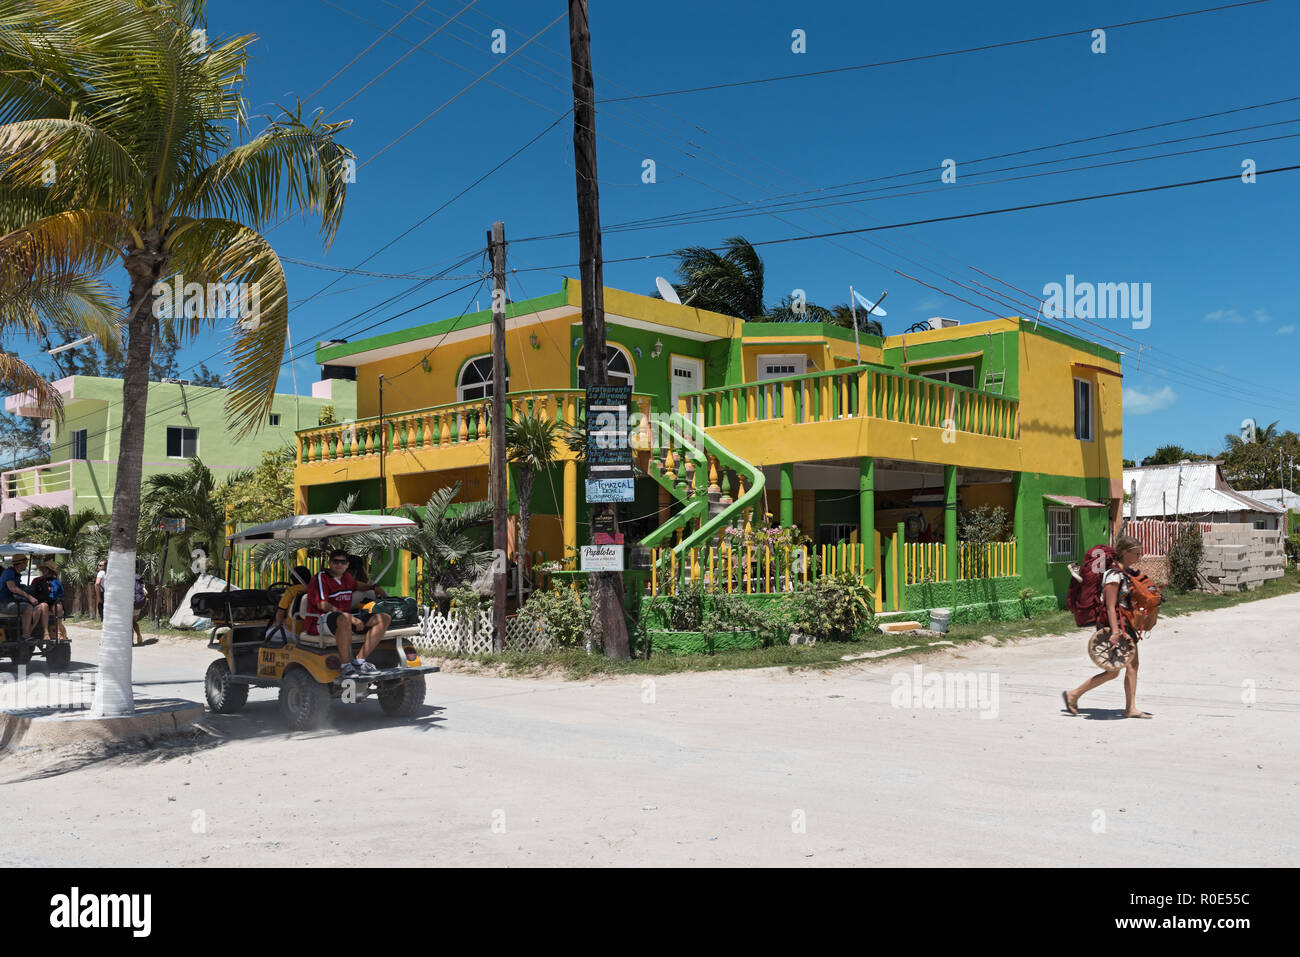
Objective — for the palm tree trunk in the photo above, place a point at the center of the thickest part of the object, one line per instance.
(113, 696)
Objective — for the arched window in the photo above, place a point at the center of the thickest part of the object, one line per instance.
(619, 365)
(476, 379)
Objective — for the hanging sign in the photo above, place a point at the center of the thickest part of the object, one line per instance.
(601, 558)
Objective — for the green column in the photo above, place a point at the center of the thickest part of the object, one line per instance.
(898, 571)
(866, 500)
(950, 525)
(787, 494)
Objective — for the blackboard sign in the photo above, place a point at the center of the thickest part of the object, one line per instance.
(607, 430)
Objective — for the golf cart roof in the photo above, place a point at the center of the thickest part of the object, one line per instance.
(297, 527)
(31, 548)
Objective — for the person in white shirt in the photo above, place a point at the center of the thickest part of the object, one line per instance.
(99, 589)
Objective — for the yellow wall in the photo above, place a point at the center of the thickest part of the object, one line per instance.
(407, 386)
(1047, 442)
(822, 354)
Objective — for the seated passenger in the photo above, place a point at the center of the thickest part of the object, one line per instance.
(329, 613)
(285, 625)
(31, 611)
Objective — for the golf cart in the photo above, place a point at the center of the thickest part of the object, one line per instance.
(304, 667)
(57, 651)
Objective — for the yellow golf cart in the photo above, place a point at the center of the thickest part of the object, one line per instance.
(304, 667)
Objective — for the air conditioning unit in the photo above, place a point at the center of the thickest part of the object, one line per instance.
(939, 322)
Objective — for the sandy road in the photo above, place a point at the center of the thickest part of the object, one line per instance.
(719, 768)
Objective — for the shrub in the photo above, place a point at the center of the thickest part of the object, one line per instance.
(465, 605)
(835, 607)
(1025, 595)
(684, 610)
(1293, 548)
(1185, 557)
(562, 612)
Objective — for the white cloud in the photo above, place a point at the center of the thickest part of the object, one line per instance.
(1225, 315)
(1262, 316)
(1137, 402)
(1287, 329)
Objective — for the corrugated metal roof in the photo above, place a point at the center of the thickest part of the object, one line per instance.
(1193, 489)
(1277, 497)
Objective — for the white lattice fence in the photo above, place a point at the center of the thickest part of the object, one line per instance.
(442, 633)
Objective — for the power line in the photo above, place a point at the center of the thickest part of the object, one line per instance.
(929, 56)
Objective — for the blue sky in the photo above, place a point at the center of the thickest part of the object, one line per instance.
(1220, 259)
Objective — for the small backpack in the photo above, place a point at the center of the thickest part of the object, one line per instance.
(139, 590)
(1145, 602)
(1084, 595)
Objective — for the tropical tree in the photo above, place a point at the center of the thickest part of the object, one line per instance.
(730, 283)
(263, 493)
(530, 446)
(191, 494)
(443, 538)
(135, 109)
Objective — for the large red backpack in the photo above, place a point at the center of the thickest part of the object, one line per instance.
(1084, 595)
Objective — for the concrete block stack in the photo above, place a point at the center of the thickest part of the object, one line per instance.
(1241, 558)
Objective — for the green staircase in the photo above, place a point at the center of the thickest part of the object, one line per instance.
(682, 458)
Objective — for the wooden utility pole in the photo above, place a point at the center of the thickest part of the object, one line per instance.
(606, 587)
(497, 456)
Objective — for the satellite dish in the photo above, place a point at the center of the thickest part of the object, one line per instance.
(667, 291)
(873, 308)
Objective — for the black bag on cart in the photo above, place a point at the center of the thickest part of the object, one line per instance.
(245, 604)
(403, 611)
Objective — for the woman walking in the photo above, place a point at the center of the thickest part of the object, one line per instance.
(1116, 592)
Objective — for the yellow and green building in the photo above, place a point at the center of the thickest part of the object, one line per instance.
(870, 446)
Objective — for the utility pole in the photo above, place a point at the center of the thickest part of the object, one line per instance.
(606, 587)
(497, 464)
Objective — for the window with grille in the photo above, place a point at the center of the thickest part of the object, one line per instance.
(476, 379)
(79, 444)
(1060, 534)
(618, 368)
(182, 443)
(275, 418)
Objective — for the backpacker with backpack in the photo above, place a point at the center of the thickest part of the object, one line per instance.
(1084, 597)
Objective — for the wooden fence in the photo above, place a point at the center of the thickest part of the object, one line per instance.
(1156, 535)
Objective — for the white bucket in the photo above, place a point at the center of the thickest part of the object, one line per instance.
(939, 620)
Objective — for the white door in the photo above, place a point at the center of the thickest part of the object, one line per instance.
(777, 367)
(688, 376)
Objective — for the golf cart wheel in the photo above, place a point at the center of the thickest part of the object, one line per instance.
(224, 696)
(304, 701)
(1106, 656)
(23, 654)
(58, 655)
(404, 698)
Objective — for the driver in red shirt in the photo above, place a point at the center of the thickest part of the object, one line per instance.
(329, 613)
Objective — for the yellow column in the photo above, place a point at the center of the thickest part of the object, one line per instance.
(570, 520)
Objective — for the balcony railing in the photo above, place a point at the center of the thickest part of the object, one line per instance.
(446, 426)
(857, 391)
(36, 480)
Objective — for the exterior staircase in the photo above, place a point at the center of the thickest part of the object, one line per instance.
(698, 473)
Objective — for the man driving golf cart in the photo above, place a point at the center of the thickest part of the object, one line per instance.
(330, 614)
(12, 590)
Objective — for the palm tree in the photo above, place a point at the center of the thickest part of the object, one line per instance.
(730, 283)
(787, 310)
(452, 556)
(530, 447)
(133, 108)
